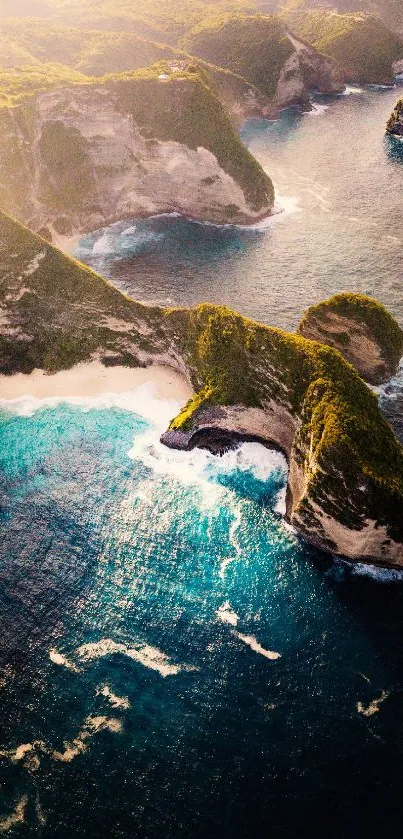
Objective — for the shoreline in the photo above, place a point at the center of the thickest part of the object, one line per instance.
(68, 244)
(94, 379)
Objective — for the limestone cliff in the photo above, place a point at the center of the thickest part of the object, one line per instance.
(345, 489)
(80, 156)
(360, 46)
(362, 330)
(262, 50)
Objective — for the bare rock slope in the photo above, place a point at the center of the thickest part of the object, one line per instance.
(81, 156)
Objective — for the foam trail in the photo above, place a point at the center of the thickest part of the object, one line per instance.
(351, 90)
(146, 655)
(251, 642)
(61, 660)
(227, 615)
(16, 817)
(378, 575)
(236, 524)
(27, 754)
(373, 707)
(115, 701)
(92, 725)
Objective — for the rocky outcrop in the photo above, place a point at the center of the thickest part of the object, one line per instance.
(306, 71)
(83, 156)
(345, 487)
(394, 125)
(360, 46)
(362, 330)
(282, 68)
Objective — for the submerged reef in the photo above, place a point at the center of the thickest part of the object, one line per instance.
(345, 486)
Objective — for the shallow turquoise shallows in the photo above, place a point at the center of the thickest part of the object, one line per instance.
(174, 662)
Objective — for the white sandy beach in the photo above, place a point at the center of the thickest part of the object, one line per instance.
(93, 379)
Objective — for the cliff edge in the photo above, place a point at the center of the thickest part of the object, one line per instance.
(345, 487)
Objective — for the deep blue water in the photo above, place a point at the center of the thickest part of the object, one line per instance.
(181, 563)
(174, 662)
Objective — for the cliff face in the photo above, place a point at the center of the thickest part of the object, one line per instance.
(263, 51)
(361, 47)
(306, 71)
(362, 330)
(79, 157)
(345, 490)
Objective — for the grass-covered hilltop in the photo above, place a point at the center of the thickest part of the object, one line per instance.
(361, 329)
(345, 491)
(361, 46)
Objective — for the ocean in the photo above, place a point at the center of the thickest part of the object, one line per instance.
(174, 661)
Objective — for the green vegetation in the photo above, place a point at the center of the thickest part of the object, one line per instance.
(367, 312)
(235, 361)
(155, 107)
(64, 317)
(362, 48)
(93, 53)
(255, 47)
(68, 178)
(21, 82)
(352, 462)
(395, 121)
(161, 20)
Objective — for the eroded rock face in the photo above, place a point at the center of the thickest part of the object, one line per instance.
(362, 330)
(83, 163)
(305, 71)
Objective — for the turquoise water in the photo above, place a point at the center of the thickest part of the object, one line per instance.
(174, 662)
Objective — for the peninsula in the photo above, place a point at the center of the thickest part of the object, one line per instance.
(345, 486)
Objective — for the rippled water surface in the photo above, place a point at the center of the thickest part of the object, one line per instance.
(174, 662)
(339, 180)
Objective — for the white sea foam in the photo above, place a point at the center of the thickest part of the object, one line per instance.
(233, 539)
(59, 658)
(146, 655)
(16, 817)
(393, 388)
(92, 725)
(141, 400)
(351, 90)
(379, 575)
(374, 706)
(251, 642)
(317, 110)
(113, 699)
(227, 615)
(27, 754)
(104, 245)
